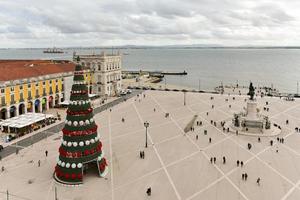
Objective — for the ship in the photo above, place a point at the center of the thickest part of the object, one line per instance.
(53, 50)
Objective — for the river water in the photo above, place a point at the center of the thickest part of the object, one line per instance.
(206, 68)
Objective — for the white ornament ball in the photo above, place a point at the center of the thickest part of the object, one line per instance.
(81, 144)
(68, 165)
(87, 142)
(73, 165)
(65, 143)
(79, 165)
(66, 122)
(75, 103)
(69, 144)
(91, 120)
(69, 123)
(75, 123)
(75, 144)
(96, 138)
(100, 158)
(63, 164)
(81, 123)
(92, 141)
(79, 103)
(59, 162)
(87, 122)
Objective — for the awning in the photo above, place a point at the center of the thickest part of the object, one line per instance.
(25, 120)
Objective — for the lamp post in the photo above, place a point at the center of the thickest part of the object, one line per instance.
(184, 97)
(146, 124)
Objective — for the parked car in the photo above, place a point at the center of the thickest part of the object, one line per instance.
(123, 92)
(129, 91)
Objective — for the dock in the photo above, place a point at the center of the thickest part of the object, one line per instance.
(155, 73)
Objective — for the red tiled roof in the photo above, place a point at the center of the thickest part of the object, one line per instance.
(20, 69)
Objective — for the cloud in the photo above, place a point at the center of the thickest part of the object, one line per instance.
(42, 23)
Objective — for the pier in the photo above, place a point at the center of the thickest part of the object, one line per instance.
(155, 73)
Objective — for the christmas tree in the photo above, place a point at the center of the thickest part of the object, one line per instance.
(81, 147)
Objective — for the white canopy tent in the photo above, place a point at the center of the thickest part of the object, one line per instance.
(25, 120)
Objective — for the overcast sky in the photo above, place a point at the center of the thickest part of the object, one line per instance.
(47, 23)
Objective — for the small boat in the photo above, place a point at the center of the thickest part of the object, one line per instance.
(53, 50)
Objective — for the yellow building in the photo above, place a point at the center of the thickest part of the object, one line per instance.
(35, 85)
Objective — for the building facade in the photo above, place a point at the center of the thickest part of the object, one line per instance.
(106, 71)
(34, 85)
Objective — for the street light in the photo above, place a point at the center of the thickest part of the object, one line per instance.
(146, 124)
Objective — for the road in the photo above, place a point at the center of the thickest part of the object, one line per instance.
(13, 148)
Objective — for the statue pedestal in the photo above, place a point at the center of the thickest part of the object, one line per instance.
(252, 123)
(252, 110)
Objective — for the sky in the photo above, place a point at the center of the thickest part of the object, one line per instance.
(69, 23)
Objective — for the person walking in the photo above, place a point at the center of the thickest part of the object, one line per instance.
(246, 176)
(149, 191)
(258, 181)
(209, 140)
(271, 142)
(242, 163)
(249, 146)
(141, 156)
(224, 160)
(243, 176)
(46, 153)
(39, 163)
(197, 137)
(211, 160)
(258, 139)
(215, 159)
(237, 163)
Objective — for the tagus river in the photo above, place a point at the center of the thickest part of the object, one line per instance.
(206, 68)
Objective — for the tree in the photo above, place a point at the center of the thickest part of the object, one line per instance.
(80, 146)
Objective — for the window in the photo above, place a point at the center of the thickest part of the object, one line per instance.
(50, 81)
(2, 90)
(29, 85)
(12, 98)
(21, 87)
(21, 97)
(44, 82)
(12, 89)
(2, 100)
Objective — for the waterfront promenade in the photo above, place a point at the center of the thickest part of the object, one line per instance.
(177, 164)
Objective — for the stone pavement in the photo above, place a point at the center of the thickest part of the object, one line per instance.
(176, 165)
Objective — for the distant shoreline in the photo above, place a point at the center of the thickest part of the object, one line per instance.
(167, 47)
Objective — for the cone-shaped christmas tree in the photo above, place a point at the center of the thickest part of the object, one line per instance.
(80, 146)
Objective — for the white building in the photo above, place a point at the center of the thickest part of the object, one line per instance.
(106, 72)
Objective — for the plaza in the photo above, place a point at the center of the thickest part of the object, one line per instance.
(176, 164)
